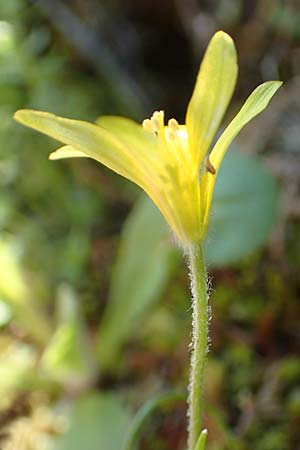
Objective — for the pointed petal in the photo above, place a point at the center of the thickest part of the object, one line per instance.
(67, 152)
(255, 104)
(214, 87)
(133, 136)
(123, 127)
(92, 140)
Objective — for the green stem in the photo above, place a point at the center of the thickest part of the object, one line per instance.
(199, 342)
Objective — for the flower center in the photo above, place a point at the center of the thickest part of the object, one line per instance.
(173, 137)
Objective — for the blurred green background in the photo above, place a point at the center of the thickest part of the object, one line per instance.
(94, 303)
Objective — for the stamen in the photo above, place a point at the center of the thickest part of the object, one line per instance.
(171, 134)
(173, 124)
(158, 121)
(176, 147)
(155, 125)
(158, 115)
(147, 125)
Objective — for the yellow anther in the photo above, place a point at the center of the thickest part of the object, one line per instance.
(173, 124)
(155, 124)
(158, 120)
(158, 115)
(148, 125)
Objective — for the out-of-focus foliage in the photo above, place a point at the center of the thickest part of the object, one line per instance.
(67, 357)
(17, 297)
(81, 294)
(103, 417)
(245, 204)
(139, 277)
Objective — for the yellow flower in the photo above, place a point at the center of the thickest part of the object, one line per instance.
(169, 163)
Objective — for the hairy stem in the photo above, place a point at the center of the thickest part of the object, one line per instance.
(199, 342)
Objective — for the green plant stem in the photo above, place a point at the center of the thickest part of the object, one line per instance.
(199, 342)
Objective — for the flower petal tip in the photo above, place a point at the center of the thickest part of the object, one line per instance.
(53, 156)
(66, 152)
(273, 85)
(18, 115)
(277, 83)
(224, 41)
(25, 116)
(223, 36)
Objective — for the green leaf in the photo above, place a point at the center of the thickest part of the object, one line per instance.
(98, 421)
(143, 414)
(201, 441)
(139, 276)
(244, 209)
